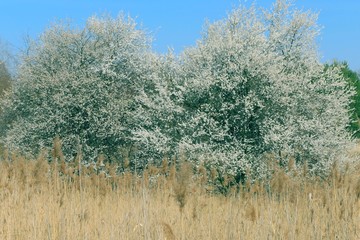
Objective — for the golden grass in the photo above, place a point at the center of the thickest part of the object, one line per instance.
(60, 200)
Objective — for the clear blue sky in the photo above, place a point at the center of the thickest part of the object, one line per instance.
(178, 24)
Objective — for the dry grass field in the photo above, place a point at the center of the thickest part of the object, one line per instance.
(57, 200)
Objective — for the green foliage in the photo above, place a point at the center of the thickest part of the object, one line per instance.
(5, 84)
(5, 78)
(353, 80)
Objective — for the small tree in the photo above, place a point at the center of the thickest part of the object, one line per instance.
(78, 84)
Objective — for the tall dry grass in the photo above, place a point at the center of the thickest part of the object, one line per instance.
(62, 200)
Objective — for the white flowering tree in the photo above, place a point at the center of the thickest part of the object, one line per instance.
(160, 113)
(254, 88)
(80, 85)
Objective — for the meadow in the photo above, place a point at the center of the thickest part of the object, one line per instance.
(68, 200)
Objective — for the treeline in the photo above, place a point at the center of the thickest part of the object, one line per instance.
(251, 93)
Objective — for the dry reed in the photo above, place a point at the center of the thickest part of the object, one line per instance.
(64, 200)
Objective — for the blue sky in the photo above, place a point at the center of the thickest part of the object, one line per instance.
(178, 24)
